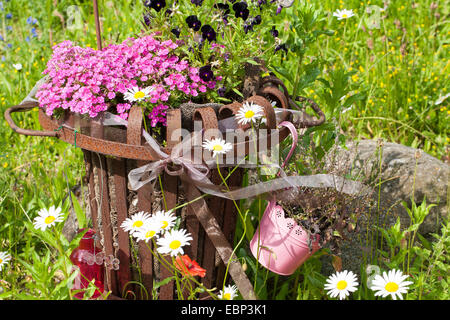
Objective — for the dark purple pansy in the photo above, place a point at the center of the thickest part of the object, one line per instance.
(193, 22)
(261, 2)
(176, 32)
(223, 6)
(205, 73)
(156, 4)
(241, 10)
(208, 32)
(147, 20)
(248, 26)
(221, 91)
(256, 20)
(197, 2)
(281, 47)
(274, 32)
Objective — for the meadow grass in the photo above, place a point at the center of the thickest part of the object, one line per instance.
(396, 61)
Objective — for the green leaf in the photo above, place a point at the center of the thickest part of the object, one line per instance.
(352, 99)
(284, 72)
(310, 75)
(283, 292)
(45, 236)
(64, 284)
(238, 92)
(76, 240)
(253, 62)
(325, 82)
(81, 217)
(163, 282)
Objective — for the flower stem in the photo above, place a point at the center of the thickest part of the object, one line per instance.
(64, 255)
(243, 223)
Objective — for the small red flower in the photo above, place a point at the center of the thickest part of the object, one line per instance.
(189, 267)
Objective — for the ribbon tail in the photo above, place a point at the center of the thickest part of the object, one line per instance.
(313, 181)
(135, 176)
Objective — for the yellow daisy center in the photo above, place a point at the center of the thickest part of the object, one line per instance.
(391, 287)
(138, 224)
(227, 296)
(218, 147)
(344, 15)
(175, 244)
(139, 95)
(341, 285)
(1, 261)
(164, 224)
(150, 234)
(249, 114)
(49, 219)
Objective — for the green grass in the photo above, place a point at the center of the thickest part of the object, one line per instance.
(401, 67)
(397, 72)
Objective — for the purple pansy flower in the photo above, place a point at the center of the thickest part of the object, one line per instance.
(193, 22)
(241, 10)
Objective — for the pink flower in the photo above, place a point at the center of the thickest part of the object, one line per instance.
(111, 95)
(88, 81)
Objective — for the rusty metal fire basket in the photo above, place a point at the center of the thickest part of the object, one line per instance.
(110, 154)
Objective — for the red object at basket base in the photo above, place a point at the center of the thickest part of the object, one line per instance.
(83, 257)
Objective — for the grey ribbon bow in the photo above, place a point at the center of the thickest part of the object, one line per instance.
(174, 164)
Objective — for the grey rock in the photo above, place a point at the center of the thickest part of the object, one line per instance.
(403, 172)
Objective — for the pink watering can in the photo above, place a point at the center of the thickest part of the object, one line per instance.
(279, 243)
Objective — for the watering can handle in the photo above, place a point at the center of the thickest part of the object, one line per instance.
(294, 134)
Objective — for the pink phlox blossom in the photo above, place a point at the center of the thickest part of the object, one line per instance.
(88, 81)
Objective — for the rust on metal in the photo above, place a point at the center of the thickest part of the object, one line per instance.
(209, 120)
(118, 168)
(269, 113)
(170, 183)
(145, 197)
(99, 162)
(274, 95)
(308, 121)
(228, 223)
(274, 82)
(212, 229)
(91, 184)
(21, 108)
(217, 206)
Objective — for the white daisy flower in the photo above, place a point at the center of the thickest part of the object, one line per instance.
(47, 218)
(249, 112)
(165, 220)
(228, 293)
(148, 231)
(217, 146)
(136, 94)
(136, 222)
(4, 258)
(341, 283)
(441, 99)
(17, 66)
(391, 283)
(173, 242)
(343, 14)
